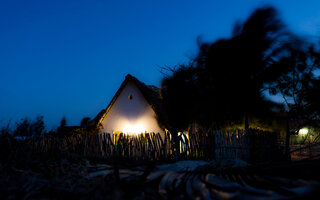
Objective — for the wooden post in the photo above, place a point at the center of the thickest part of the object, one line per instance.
(287, 147)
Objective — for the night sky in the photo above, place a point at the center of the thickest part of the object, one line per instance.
(68, 59)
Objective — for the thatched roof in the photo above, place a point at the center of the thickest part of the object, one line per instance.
(151, 94)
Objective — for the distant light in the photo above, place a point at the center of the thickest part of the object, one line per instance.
(303, 131)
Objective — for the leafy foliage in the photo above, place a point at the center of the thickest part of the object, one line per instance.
(179, 93)
(224, 83)
(299, 84)
(25, 128)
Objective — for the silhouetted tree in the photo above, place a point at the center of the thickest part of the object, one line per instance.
(84, 122)
(25, 128)
(313, 99)
(179, 94)
(299, 86)
(38, 126)
(224, 83)
(312, 87)
(298, 82)
(236, 69)
(63, 122)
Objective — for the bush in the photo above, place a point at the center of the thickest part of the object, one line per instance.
(25, 128)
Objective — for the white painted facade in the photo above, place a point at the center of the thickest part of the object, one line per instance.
(130, 116)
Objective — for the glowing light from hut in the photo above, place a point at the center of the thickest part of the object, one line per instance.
(134, 128)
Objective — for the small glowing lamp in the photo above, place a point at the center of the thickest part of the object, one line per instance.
(303, 131)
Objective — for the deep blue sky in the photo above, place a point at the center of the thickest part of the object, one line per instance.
(68, 58)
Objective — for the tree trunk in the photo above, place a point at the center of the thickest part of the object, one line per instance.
(287, 147)
(246, 122)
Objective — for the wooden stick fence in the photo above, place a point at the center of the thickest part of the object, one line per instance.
(252, 145)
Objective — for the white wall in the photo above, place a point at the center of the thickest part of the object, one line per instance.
(134, 115)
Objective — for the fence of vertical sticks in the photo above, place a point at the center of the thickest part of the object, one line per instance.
(215, 145)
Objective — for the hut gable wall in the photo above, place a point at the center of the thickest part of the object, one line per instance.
(128, 113)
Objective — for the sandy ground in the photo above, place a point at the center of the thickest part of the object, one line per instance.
(79, 179)
(59, 176)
